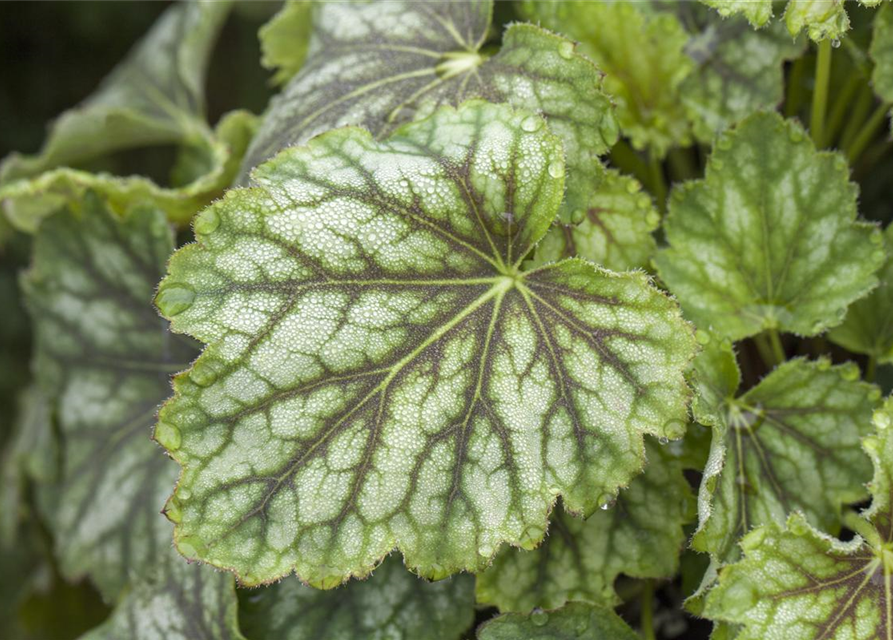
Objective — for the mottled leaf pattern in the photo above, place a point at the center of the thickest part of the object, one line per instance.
(380, 373)
(769, 238)
(576, 621)
(820, 19)
(392, 603)
(793, 442)
(380, 65)
(640, 535)
(800, 584)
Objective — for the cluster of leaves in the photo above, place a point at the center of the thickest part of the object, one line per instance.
(449, 359)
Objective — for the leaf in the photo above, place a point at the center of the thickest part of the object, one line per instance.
(104, 359)
(881, 53)
(643, 55)
(28, 201)
(155, 96)
(769, 239)
(575, 621)
(790, 443)
(284, 40)
(639, 536)
(796, 582)
(370, 342)
(175, 602)
(393, 603)
(757, 12)
(737, 70)
(868, 327)
(394, 62)
(615, 230)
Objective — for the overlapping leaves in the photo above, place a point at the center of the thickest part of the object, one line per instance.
(799, 583)
(821, 19)
(576, 621)
(380, 373)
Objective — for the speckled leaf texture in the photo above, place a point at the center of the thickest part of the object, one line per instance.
(380, 65)
(379, 372)
(615, 230)
(576, 621)
(820, 19)
(797, 583)
(868, 327)
(643, 55)
(640, 535)
(793, 442)
(154, 97)
(769, 238)
(881, 52)
(392, 603)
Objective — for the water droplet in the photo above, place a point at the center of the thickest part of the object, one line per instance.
(633, 186)
(823, 364)
(485, 550)
(849, 372)
(663, 440)
(702, 337)
(206, 222)
(531, 123)
(174, 298)
(191, 547)
(652, 219)
(606, 501)
(882, 419)
(871, 444)
(799, 527)
(168, 436)
(539, 617)
(566, 49)
(556, 169)
(835, 43)
(203, 374)
(643, 201)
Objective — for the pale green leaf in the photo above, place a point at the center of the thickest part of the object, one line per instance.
(797, 583)
(154, 96)
(757, 12)
(379, 65)
(769, 238)
(284, 40)
(640, 536)
(392, 603)
(174, 601)
(381, 374)
(881, 52)
(104, 359)
(575, 621)
(29, 200)
(643, 55)
(868, 327)
(792, 442)
(615, 230)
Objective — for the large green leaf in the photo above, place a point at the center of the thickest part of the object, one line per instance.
(174, 601)
(868, 327)
(792, 442)
(642, 53)
(769, 239)
(380, 373)
(640, 536)
(615, 230)
(382, 64)
(576, 621)
(800, 584)
(393, 603)
(820, 18)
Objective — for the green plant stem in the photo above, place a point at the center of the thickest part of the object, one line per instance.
(658, 184)
(765, 349)
(863, 527)
(794, 98)
(777, 347)
(839, 110)
(646, 618)
(856, 118)
(867, 132)
(871, 369)
(820, 92)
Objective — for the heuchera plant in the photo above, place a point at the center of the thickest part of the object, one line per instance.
(544, 320)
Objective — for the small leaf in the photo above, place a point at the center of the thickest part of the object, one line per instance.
(769, 238)
(868, 327)
(575, 621)
(796, 582)
(642, 53)
(639, 536)
(284, 40)
(104, 358)
(392, 603)
(757, 12)
(820, 18)
(174, 602)
(790, 443)
(615, 230)
(380, 65)
(380, 373)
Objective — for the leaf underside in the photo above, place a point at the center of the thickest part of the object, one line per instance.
(379, 373)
